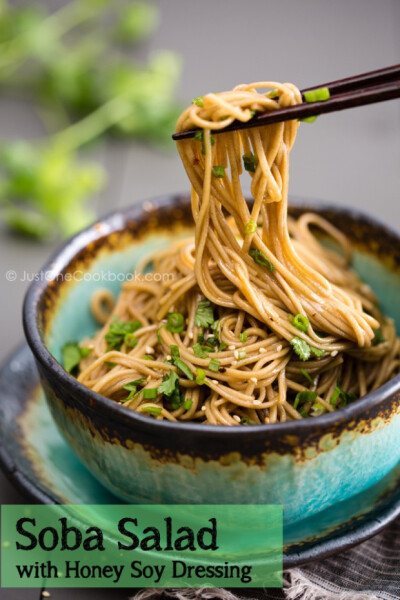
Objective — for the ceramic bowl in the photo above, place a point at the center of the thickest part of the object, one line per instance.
(308, 466)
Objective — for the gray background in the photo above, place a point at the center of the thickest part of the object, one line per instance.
(351, 158)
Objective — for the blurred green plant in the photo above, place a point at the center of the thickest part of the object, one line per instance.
(73, 65)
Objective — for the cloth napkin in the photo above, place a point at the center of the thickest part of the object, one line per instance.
(370, 571)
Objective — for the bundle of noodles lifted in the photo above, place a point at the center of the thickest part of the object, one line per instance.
(261, 324)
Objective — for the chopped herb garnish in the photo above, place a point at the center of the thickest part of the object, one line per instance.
(260, 259)
(175, 322)
(303, 397)
(147, 357)
(152, 410)
(247, 421)
(204, 316)
(301, 348)
(199, 136)
(117, 331)
(200, 376)
(304, 413)
(304, 350)
(201, 351)
(212, 341)
(250, 227)
(214, 365)
(132, 387)
(273, 94)
(243, 337)
(149, 393)
(159, 340)
(317, 409)
(301, 322)
(316, 351)
(317, 95)
(307, 376)
(168, 385)
(379, 338)
(182, 366)
(72, 355)
(110, 364)
(175, 352)
(200, 338)
(341, 398)
(222, 346)
(130, 340)
(187, 405)
(84, 351)
(309, 119)
(218, 171)
(250, 162)
(215, 325)
(199, 101)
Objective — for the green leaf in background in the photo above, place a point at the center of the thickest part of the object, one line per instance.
(84, 86)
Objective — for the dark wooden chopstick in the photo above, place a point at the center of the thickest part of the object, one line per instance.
(359, 90)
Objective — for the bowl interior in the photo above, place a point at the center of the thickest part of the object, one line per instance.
(105, 265)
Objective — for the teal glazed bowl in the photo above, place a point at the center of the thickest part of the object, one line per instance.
(308, 466)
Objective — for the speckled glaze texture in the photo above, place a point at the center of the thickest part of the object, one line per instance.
(307, 466)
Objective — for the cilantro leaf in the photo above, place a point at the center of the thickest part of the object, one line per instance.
(260, 259)
(301, 348)
(204, 316)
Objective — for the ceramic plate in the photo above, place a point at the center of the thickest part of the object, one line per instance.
(39, 462)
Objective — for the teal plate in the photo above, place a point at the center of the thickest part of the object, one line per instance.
(39, 462)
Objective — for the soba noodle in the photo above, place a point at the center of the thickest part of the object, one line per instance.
(257, 322)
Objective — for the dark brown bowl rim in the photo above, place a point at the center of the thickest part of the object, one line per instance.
(115, 221)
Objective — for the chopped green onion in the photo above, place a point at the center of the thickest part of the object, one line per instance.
(222, 346)
(199, 101)
(147, 357)
(218, 171)
(307, 376)
(152, 410)
(250, 162)
(204, 315)
(303, 413)
(317, 95)
(175, 322)
(214, 365)
(260, 259)
(309, 119)
(243, 337)
(84, 351)
(303, 397)
(199, 136)
(273, 94)
(317, 409)
(175, 352)
(250, 227)
(187, 405)
(200, 376)
(149, 393)
(110, 364)
(182, 366)
(301, 322)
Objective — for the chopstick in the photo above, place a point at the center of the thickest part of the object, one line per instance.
(359, 90)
